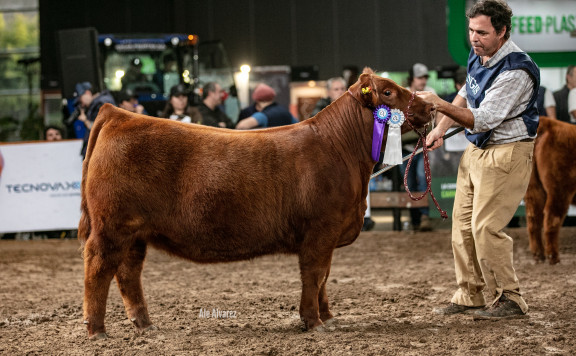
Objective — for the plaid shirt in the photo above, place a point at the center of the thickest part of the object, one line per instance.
(507, 98)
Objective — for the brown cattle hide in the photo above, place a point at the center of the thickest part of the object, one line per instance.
(217, 195)
(552, 187)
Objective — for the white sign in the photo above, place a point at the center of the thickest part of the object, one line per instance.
(544, 26)
(40, 186)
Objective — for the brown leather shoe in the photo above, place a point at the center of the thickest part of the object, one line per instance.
(452, 309)
(504, 308)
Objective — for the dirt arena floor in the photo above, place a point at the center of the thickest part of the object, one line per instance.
(382, 290)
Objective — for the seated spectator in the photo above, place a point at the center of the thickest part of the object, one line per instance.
(269, 113)
(52, 133)
(177, 107)
(212, 115)
(130, 103)
(336, 87)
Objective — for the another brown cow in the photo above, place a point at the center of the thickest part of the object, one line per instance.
(552, 186)
(216, 195)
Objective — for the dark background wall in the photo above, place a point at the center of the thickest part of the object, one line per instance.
(384, 34)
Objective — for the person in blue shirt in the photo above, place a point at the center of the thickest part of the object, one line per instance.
(269, 113)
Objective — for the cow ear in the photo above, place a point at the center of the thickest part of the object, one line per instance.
(365, 90)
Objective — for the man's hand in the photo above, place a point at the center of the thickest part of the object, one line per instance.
(434, 139)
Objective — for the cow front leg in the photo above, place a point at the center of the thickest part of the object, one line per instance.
(99, 269)
(323, 303)
(314, 267)
(129, 278)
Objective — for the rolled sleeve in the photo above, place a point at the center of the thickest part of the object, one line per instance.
(261, 118)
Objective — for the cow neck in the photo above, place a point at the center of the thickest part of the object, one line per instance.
(338, 125)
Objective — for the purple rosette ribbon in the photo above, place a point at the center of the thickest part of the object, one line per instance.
(381, 115)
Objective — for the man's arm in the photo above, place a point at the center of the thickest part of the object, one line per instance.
(453, 113)
(257, 119)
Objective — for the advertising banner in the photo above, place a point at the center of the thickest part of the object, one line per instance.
(40, 186)
(544, 25)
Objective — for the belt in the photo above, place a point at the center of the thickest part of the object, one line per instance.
(527, 140)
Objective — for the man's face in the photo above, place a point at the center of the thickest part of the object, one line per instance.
(53, 135)
(483, 36)
(336, 90)
(128, 105)
(419, 83)
(217, 94)
(86, 99)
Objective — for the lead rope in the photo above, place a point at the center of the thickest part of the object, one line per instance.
(421, 140)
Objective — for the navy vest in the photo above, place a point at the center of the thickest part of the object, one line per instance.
(480, 79)
(277, 115)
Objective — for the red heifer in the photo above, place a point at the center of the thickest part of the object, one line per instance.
(552, 186)
(215, 195)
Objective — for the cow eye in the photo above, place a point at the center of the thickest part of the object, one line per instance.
(387, 93)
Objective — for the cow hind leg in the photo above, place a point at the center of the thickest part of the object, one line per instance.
(129, 282)
(314, 269)
(554, 214)
(100, 265)
(535, 200)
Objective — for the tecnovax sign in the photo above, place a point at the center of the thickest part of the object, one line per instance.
(546, 29)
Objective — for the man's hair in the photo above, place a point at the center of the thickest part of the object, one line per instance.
(330, 81)
(499, 12)
(51, 127)
(207, 88)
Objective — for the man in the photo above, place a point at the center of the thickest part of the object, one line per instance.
(561, 96)
(498, 108)
(336, 87)
(269, 113)
(130, 103)
(89, 103)
(417, 81)
(210, 107)
(52, 133)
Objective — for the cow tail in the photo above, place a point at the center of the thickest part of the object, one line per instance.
(84, 226)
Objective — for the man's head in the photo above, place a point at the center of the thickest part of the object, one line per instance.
(52, 133)
(460, 78)
(212, 94)
(179, 97)
(127, 101)
(571, 77)
(336, 87)
(418, 77)
(84, 94)
(490, 22)
(263, 94)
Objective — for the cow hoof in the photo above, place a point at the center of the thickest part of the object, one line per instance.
(554, 260)
(148, 329)
(330, 322)
(99, 336)
(319, 329)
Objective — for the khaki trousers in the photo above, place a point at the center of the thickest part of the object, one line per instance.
(490, 185)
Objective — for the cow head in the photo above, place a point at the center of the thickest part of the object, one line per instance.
(372, 90)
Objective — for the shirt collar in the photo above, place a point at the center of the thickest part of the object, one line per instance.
(508, 47)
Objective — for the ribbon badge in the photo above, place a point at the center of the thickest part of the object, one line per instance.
(393, 151)
(381, 115)
(366, 90)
